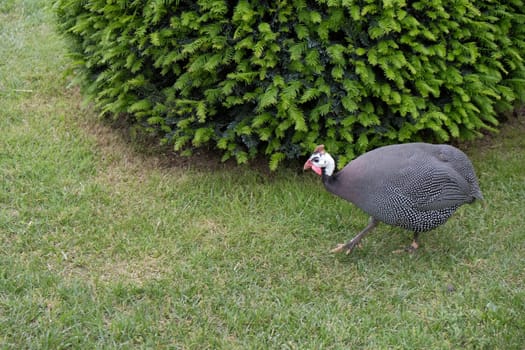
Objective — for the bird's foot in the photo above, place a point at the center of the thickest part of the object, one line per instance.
(410, 249)
(346, 247)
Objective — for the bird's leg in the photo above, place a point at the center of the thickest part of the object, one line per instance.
(415, 244)
(348, 246)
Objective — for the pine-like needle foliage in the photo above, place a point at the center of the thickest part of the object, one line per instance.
(276, 77)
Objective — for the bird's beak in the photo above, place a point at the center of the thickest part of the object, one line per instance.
(310, 165)
(307, 165)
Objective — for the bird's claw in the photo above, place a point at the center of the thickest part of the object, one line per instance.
(412, 247)
(338, 249)
(346, 247)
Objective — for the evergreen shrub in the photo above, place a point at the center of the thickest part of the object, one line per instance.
(275, 78)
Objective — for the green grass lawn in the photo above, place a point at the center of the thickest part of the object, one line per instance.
(103, 246)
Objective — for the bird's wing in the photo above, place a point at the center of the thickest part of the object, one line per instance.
(436, 188)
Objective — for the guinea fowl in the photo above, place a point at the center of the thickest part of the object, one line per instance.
(416, 186)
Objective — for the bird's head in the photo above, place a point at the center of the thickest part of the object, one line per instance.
(320, 162)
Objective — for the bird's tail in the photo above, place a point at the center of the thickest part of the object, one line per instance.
(477, 195)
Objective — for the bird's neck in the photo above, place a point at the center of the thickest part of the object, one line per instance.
(327, 180)
(328, 177)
